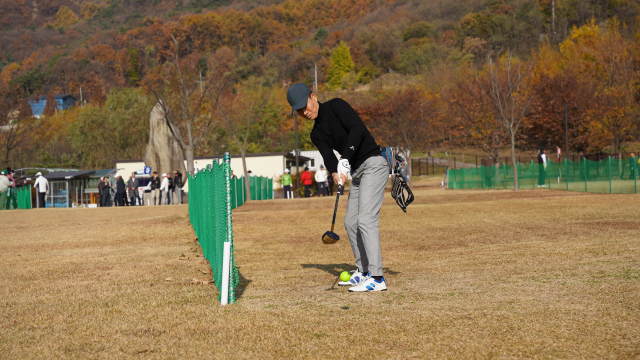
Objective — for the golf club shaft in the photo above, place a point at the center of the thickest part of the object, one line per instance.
(335, 209)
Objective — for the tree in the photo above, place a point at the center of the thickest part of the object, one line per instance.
(196, 103)
(65, 17)
(509, 89)
(16, 122)
(242, 110)
(51, 106)
(403, 119)
(341, 65)
(474, 118)
(123, 128)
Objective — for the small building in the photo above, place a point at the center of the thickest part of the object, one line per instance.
(64, 102)
(75, 188)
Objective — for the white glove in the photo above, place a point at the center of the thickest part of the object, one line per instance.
(344, 167)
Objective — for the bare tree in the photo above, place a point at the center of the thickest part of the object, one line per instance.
(241, 111)
(16, 122)
(196, 100)
(510, 91)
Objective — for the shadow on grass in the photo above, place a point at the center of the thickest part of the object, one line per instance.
(243, 282)
(336, 269)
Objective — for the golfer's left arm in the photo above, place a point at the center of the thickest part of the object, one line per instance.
(354, 125)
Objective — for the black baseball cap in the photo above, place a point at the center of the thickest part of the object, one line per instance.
(297, 96)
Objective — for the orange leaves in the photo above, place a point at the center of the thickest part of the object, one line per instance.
(103, 53)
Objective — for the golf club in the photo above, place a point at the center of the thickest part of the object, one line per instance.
(330, 237)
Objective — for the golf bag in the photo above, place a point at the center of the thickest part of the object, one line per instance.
(400, 191)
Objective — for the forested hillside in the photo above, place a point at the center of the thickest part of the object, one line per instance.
(116, 51)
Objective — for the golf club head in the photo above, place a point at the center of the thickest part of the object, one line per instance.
(330, 238)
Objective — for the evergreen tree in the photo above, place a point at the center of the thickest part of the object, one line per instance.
(341, 64)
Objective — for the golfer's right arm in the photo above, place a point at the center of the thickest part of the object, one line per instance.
(329, 159)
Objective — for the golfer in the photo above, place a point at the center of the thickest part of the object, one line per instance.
(338, 127)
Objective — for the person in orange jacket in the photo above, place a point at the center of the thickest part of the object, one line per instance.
(306, 181)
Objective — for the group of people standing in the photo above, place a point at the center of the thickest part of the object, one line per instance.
(324, 181)
(131, 194)
(167, 191)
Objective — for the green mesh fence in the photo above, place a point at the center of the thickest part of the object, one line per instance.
(611, 176)
(18, 198)
(261, 188)
(210, 204)
(23, 197)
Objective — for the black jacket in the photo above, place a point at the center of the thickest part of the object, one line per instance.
(338, 127)
(155, 183)
(120, 188)
(170, 183)
(103, 188)
(178, 180)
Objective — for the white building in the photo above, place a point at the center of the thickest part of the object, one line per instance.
(315, 159)
(270, 165)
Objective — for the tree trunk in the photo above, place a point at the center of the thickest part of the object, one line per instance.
(513, 161)
(247, 183)
(189, 154)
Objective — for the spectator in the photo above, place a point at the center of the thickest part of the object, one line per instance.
(42, 187)
(155, 189)
(632, 166)
(132, 187)
(321, 179)
(250, 173)
(105, 195)
(306, 181)
(12, 194)
(5, 185)
(286, 184)
(233, 177)
(330, 184)
(170, 194)
(164, 187)
(120, 189)
(542, 168)
(177, 186)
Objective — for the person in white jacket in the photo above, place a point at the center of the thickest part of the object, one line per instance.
(164, 187)
(42, 186)
(321, 179)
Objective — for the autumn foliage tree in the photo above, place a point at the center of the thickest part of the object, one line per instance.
(403, 120)
(50, 106)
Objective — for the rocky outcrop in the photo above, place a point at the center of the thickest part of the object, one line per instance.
(163, 152)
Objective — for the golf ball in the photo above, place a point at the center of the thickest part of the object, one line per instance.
(345, 276)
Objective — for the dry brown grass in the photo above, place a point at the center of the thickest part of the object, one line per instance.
(471, 274)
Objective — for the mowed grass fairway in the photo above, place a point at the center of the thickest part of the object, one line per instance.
(471, 274)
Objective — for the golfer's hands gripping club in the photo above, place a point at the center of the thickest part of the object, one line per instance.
(343, 172)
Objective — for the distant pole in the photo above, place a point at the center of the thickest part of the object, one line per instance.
(315, 82)
(295, 115)
(80, 96)
(566, 128)
(200, 81)
(553, 16)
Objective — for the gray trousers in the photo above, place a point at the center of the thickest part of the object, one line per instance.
(155, 197)
(178, 194)
(363, 213)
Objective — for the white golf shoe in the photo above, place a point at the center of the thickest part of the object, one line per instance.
(356, 278)
(370, 284)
